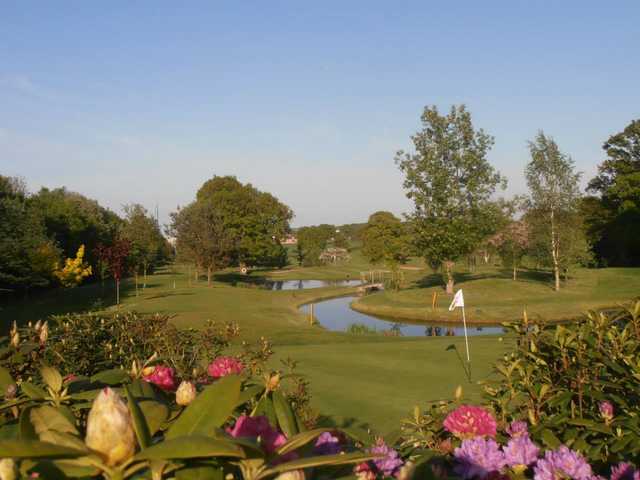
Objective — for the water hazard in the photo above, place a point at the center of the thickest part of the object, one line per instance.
(337, 315)
(304, 284)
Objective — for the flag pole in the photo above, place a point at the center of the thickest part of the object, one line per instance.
(466, 338)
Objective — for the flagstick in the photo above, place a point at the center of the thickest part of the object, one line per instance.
(466, 338)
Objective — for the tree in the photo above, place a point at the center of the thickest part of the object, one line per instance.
(115, 255)
(613, 218)
(450, 182)
(554, 195)
(27, 257)
(74, 270)
(512, 243)
(254, 220)
(147, 241)
(312, 241)
(201, 236)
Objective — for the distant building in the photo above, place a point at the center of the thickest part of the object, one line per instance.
(289, 240)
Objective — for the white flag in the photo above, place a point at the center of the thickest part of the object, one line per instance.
(458, 301)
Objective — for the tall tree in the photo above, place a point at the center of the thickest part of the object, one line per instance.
(147, 241)
(451, 183)
(202, 236)
(255, 220)
(554, 195)
(312, 241)
(613, 218)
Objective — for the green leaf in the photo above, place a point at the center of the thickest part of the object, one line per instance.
(5, 380)
(52, 378)
(63, 440)
(155, 414)
(142, 389)
(112, 377)
(324, 460)
(550, 439)
(286, 417)
(200, 472)
(265, 408)
(249, 393)
(191, 446)
(47, 417)
(299, 440)
(209, 410)
(36, 449)
(27, 431)
(33, 391)
(139, 422)
(357, 434)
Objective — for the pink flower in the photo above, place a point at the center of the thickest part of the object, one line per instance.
(162, 376)
(468, 421)
(606, 411)
(260, 429)
(223, 366)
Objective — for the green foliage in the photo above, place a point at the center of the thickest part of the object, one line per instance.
(147, 241)
(312, 241)
(27, 257)
(558, 375)
(451, 183)
(613, 219)
(385, 240)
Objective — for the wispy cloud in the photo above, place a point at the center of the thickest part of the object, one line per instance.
(24, 85)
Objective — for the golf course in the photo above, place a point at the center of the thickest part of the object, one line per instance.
(354, 377)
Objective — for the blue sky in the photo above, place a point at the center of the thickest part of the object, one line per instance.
(143, 101)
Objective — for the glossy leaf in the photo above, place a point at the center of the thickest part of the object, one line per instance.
(139, 422)
(192, 446)
(35, 449)
(284, 414)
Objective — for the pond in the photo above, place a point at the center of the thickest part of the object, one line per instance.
(337, 315)
(304, 284)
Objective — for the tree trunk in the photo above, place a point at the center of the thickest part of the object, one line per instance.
(554, 252)
(449, 266)
(144, 272)
(209, 276)
(117, 291)
(515, 272)
(135, 276)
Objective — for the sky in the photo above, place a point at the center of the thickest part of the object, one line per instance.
(143, 101)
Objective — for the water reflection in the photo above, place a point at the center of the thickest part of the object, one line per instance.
(304, 284)
(336, 315)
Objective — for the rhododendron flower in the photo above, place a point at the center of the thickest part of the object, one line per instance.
(520, 452)
(390, 463)
(223, 366)
(110, 428)
(468, 421)
(162, 376)
(517, 428)
(562, 463)
(478, 457)
(606, 411)
(327, 444)
(259, 428)
(624, 471)
(364, 471)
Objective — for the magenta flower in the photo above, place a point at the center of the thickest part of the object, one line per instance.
(517, 428)
(624, 471)
(259, 429)
(562, 463)
(468, 421)
(327, 444)
(390, 463)
(162, 376)
(478, 457)
(606, 411)
(223, 366)
(520, 452)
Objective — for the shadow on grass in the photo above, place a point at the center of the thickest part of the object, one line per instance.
(542, 277)
(349, 422)
(234, 278)
(168, 294)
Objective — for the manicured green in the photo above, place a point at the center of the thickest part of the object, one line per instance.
(367, 379)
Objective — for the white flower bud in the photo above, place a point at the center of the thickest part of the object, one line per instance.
(110, 428)
(7, 469)
(292, 475)
(15, 339)
(186, 393)
(44, 333)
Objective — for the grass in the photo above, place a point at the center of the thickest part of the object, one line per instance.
(369, 380)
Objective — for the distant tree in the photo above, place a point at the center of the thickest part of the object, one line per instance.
(202, 237)
(27, 257)
(385, 239)
(450, 182)
(74, 270)
(613, 217)
(72, 219)
(512, 243)
(146, 239)
(254, 220)
(554, 196)
(312, 241)
(115, 255)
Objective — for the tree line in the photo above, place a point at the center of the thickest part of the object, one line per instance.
(456, 215)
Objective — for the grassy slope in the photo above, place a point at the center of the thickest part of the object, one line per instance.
(372, 379)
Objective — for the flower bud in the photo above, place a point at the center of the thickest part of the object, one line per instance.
(15, 339)
(273, 382)
(7, 469)
(147, 371)
(14, 329)
(292, 475)
(186, 393)
(38, 325)
(458, 394)
(10, 392)
(110, 428)
(606, 411)
(44, 333)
